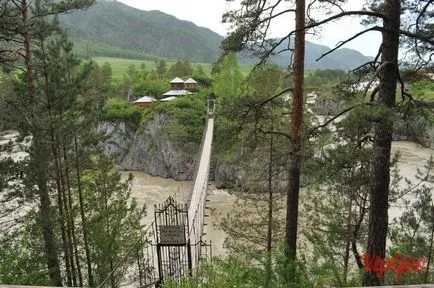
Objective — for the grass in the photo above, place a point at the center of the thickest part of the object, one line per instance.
(427, 95)
(120, 65)
(423, 90)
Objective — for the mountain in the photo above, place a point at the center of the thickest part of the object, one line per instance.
(113, 24)
(113, 29)
(344, 58)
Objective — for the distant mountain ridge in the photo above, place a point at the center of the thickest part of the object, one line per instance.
(113, 29)
(344, 58)
(149, 32)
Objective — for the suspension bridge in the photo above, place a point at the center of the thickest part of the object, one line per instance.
(179, 228)
(174, 244)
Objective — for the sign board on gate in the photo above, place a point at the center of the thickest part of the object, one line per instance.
(172, 235)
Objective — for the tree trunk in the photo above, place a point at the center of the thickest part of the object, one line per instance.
(378, 221)
(46, 215)
(296, 124)
(71, 218)
(83, 216)
(348, 239)
(65, 244)
(270, 211)
(430, 245)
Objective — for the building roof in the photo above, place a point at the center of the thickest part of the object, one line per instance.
(168, 98)
(176, 93)
(145, 99)
(177, 80)
(190, 81)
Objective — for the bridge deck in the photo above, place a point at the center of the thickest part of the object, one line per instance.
(198, 195)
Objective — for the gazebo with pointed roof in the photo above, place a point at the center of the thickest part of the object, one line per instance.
(190, 84)
(177, 84)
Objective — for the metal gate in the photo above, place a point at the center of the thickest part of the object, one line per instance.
(173, 243)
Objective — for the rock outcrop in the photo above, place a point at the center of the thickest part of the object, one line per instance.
(229, 176)
(415, 128)
(148, 148)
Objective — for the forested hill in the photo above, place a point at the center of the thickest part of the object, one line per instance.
(113, 29)
(111, 25)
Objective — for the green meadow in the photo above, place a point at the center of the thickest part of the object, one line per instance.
(120, 65)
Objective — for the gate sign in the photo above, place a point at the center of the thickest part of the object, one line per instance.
(172, 235)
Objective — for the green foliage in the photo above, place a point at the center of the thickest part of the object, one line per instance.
(118, 109)
(423, 89)
(326, 77)
(113, 219)
(22, 260)
(57, 102)
(243, 272)
(145, 82)
(227, 83)
(187, 118)
(412, 233)
(181, 69)
(234, 272)
(161, 68)
(90, 48)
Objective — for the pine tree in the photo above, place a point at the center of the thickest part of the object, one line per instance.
(113, 221)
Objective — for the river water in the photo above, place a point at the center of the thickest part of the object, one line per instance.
(151, 190)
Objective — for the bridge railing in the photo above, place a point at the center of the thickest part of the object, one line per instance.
(198, 195)
(196, 211)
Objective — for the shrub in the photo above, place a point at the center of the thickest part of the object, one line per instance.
(119, 109)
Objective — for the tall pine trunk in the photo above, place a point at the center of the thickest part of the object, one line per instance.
(71, 218)
(348, 239)
(296, 125)
(379, 198)
(83, 215)
(270, 210)
(46, 213)
(40, 160)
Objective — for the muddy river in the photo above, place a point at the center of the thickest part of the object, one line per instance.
(154, 190)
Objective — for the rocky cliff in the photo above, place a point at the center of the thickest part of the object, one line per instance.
(148, 148)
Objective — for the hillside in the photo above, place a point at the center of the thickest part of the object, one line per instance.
(113, 29)
(114, 24)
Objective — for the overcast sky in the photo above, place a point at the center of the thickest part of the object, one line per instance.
(208, 13)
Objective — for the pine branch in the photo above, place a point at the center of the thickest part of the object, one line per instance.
(365, 92)
(417, 36)
(342, 43)
(263, 102)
